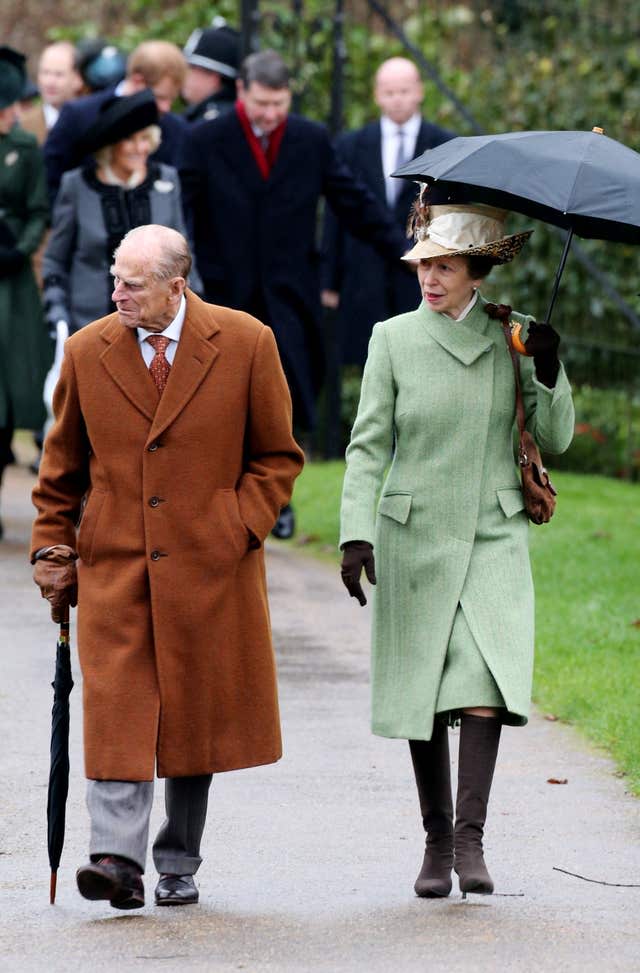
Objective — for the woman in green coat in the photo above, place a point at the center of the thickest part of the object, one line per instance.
(25, 348)
(432, 491)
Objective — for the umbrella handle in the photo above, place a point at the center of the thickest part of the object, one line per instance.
(64, 626)
(556, 283)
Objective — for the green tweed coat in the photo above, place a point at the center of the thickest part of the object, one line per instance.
(447, 521)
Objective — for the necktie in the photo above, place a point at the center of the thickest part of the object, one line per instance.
(401, 158)
(159, 366)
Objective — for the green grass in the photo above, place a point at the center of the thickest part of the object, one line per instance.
(586, 567)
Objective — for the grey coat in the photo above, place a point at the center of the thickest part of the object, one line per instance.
(447, 521)
(75, 268)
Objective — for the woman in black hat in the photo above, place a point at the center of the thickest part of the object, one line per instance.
(25, 350)
(100, 202)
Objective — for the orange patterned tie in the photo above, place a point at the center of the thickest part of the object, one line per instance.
(159, 366)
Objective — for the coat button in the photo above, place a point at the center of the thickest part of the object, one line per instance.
(153, 447)
(155, 555)
(154, 501)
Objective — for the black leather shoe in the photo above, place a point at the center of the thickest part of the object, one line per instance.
(176, 890)
(285, 525)
(112, 878)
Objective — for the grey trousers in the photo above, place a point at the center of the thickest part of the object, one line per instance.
(120, 810)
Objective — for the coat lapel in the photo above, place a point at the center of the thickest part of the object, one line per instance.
(373, 161)
(465, 340)
(237, 153)
(291, 157)
(125, 364)
(194, 357)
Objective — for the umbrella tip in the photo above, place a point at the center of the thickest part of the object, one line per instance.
(597, 130)
(52, 888)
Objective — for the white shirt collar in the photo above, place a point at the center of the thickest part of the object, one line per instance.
(466, 309)
(173, 330)
(411, 127)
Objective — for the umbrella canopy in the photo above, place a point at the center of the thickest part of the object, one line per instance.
(582, 181)
(59, 769)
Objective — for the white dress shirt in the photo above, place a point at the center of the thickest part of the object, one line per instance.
(50, 115)
(172, 331)
(390, 142)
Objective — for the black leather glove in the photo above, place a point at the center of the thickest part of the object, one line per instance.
(11, 260)
(542, 345)
(356, 556)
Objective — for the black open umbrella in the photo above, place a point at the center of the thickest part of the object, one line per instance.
(59, 770)
(582, 181)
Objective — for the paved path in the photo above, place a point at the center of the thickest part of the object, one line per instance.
(309, 864)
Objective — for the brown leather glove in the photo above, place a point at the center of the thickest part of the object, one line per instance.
(55, 575)
(356, 556)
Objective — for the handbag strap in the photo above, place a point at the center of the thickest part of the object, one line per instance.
(502, 313)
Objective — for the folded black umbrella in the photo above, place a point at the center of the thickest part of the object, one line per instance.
(585, 182)
(59, 769)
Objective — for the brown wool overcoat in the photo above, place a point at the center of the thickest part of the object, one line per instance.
(173, 623)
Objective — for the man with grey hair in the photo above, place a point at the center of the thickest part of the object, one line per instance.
(172, 446)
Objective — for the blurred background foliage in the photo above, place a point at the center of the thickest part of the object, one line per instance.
(514, 64)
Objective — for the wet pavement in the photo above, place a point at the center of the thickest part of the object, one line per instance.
(310, 863)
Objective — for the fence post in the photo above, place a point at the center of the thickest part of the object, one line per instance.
(249, 17)
(332, 319)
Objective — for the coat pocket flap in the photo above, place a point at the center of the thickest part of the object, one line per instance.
(396, 505)
(511, 501)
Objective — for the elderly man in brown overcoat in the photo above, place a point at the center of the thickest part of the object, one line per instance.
(172, 447)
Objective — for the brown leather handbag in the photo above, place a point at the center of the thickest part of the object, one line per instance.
(538, 491)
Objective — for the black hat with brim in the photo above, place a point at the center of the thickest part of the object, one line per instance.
(12, 76)
(120, 117)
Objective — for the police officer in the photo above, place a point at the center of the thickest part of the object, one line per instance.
(212, 66)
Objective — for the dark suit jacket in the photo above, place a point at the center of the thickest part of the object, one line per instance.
(371, 288)
(60, 149)
(255, 239)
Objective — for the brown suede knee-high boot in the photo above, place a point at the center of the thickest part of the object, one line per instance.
(479, 739)
(433, 777)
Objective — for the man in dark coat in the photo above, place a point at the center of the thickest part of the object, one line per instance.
(158, 65)
(213, 58)
(355, 277)
(252, 180)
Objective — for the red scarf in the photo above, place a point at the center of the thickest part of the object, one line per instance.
(264, 161)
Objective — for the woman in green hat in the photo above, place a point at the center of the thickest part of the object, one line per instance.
(25, 349)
